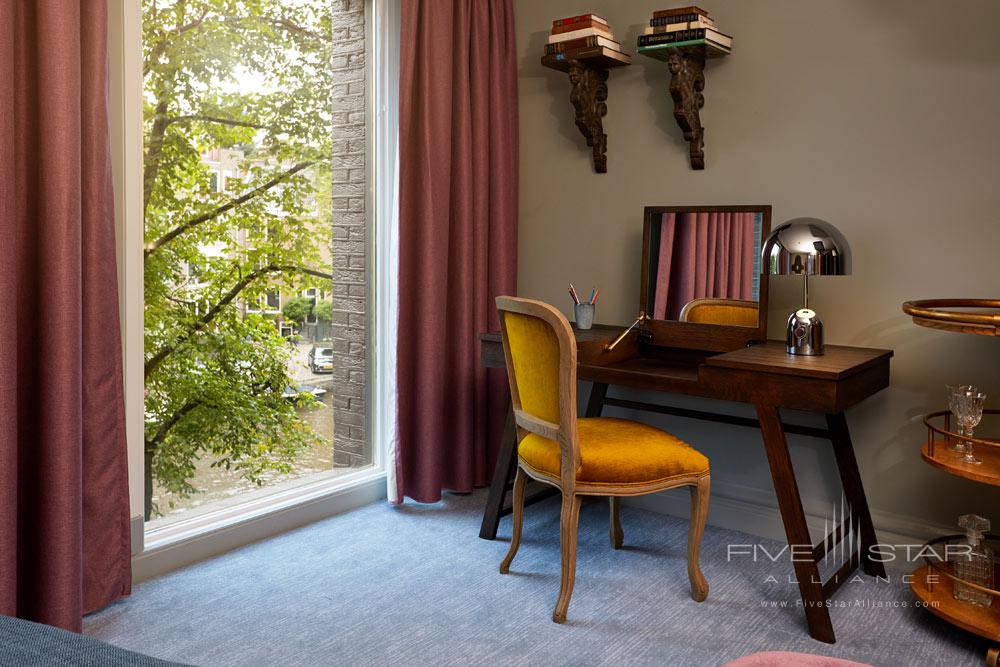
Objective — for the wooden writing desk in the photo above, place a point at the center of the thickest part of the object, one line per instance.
(766, 377)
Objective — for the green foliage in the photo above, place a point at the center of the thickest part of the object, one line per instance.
(324, 310)
(298, 309)
(251, 76)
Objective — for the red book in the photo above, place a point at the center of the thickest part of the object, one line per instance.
(678, 11)
(582, 43)
(578, 19)
(580, 25)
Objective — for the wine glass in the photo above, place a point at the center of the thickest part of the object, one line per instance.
(955, 392)
(971, 413)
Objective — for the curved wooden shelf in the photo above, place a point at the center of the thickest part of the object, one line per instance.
(984, 320)
(951, 462)
(936, 451)
(938, 595)
(933, 551)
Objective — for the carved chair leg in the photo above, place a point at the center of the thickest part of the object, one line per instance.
(568, 522)
(699, 514)
(518, 505)
(617, 536)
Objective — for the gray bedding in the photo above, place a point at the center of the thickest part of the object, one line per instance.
(24, 644)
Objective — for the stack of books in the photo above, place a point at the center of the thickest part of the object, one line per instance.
(582, 37)
(682, 27)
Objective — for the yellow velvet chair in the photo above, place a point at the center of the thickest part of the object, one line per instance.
(734, 312)
(599, 456)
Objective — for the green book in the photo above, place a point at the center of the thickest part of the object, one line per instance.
(661, 51)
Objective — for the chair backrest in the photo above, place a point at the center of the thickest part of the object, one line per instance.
(540, 350)
(733, 312)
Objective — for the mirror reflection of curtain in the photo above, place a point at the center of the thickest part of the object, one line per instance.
(703, 254)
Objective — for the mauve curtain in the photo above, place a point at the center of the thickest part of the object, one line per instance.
(703, 255)
(64, 524)
(457, 237)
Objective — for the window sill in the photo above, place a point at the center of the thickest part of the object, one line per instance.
(192, 540)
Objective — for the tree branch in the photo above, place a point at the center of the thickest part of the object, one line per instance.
(160, 47)
(154, 151)
(154, 361)
(214, 119)
(183, 302)
(216, 212)
(294, 27)
(165, 426)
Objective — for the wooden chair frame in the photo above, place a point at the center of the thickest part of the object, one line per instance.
(711, 301)
(565, 433)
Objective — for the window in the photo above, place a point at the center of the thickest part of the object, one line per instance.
(257, 314)
(273, 300)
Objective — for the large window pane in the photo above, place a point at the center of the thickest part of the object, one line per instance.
(256, 226)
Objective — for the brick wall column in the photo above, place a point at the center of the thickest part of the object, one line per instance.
(350, 236)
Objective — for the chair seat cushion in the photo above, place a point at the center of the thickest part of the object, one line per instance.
(617, 452)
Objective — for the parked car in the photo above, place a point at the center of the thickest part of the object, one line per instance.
(321, 359)
(293, 392)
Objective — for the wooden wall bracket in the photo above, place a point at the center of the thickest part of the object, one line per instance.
(686, 65)
(589, 96)
(588, 78)
(687, 81)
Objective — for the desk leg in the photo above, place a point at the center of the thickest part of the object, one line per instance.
(796, 529)
(595, 404)
(506, 461)
(850, 479)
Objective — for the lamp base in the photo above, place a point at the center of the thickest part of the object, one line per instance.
(804, 333)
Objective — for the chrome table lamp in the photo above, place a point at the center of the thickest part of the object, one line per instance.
(806, 247)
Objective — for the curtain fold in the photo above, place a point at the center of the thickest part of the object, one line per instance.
(457, 237)
(703, 254)
(64, 509)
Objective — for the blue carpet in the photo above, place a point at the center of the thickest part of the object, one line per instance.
(414, 585)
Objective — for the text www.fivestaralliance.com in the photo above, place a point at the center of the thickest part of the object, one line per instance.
(847, 604)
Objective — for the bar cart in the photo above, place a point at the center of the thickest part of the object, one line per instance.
(934, 582)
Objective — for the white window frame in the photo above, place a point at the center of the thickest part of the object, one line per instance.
(187, 541)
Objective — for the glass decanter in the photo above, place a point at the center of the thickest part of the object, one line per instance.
(974, 563)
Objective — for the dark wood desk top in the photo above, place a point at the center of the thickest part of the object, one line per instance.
(763, 374)
(599, 332)
(837, 363)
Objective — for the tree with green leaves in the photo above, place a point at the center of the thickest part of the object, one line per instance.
(298, 309)
(323, 310)
(251, 77)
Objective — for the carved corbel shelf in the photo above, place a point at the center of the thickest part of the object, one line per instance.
(686, 65)
(588, 77)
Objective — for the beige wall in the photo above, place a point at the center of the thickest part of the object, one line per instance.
(858, 112)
